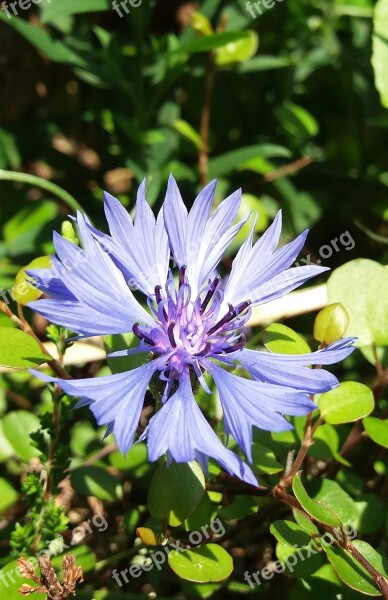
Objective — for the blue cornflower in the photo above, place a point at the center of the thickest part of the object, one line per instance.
(193, 324)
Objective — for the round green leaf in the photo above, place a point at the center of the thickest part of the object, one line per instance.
(331, 323)
(357, 285)
(175, 491)
(96, 481)
(19, 350)
(314, 508)
(348, 402)
(349, 569)
(22, 289)
(238, 51)
(331, 494)
(371, 513)
(289, 533)
(284, 340)
(264, 461)
(202, 565)
(17, 426)
(377, 429)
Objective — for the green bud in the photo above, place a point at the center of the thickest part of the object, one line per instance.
(69, 233)
(331, 323)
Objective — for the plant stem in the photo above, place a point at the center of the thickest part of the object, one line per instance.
(33, 180)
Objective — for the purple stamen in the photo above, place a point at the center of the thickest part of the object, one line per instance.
(228, 317)
(170, 333)
(141, 335)
(182, 272)
(158, 295)
(210, 293)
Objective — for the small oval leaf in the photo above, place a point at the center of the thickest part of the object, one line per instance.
(202, 565)
(348, 402)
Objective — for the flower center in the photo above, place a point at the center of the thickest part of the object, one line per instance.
(189, 329)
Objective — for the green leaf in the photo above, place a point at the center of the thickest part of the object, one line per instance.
(17, 426)
(8, 495)
(289, 533)
(348, 402)
(41, 39)
(264, 460)
(238, 51)
(10, 574)
(371, 513)
(202, 565)
(304, 522)
(380, 49)
(175, 491)
(22, 231)
(203, 514)
(59, 9)
(315, 509)
(96, 481)
(264, 63)
(187, 131)
(368, 319)
(230, 161)
(210, 42)
(241, 506)
(331, 323)
(284, 340)
(327, 443)
(351, 572)
(334, 498)
(22, 290)
(299, 562)
(19, 350)
(377, 429)
(135, 461)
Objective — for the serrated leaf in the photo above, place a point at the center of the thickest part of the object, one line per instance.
(175, 491)
(348, 402)
(202, 565)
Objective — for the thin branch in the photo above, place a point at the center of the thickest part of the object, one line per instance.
(297, 165)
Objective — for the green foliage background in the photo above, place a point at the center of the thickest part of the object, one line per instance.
(297, 99)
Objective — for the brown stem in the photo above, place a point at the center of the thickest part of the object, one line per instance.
(377, 577)
(298, 462)
(297, 165)
(26, 327)
(203, 155)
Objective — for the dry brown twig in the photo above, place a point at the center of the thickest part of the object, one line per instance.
(48, 582)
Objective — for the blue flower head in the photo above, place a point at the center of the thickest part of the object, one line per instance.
(193, 324)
